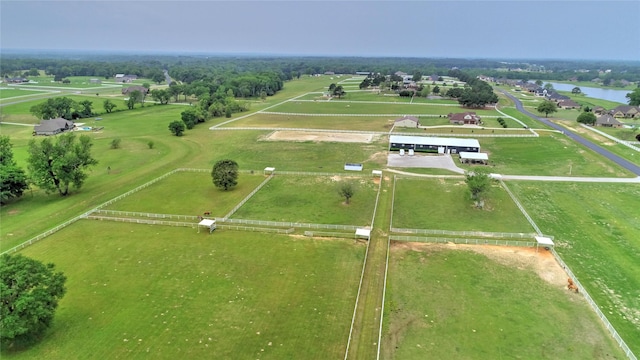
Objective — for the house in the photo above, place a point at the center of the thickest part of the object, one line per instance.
(568, 104)
(625, 111)
(122, 78)
(608, 121)
(438, 145)
(540, 92)
(465, 118)
(553, 96)
(16, 80)
(599, 110)
(407, 121)
(53, 126)
(130, 89)
(434, 77)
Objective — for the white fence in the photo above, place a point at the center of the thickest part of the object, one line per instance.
(524, 212)
(622, 142)
(235, 208)
(482, 234)
(134, 214)
(290, 224)
(428, 239)
(329, 234)
(594, 306)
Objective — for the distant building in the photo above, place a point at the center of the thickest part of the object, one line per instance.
(122, 78)
(465, 118)
(130, 89)
(407, 121)
(433, 144)
(608, 121)
(53, 126)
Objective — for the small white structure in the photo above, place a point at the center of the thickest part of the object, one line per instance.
(269, 170)
(353, 167)
(377, 173)
(546, 242)
(363, 233)
(209, 223)
(410, 152)
(401, 152)
(473, 157)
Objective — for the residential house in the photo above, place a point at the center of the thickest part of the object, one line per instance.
(407, 121)
(553, 96)
(599, 110)
(608, 120)
(53, 126)
(122, 78)
(16, 80)
(625, 111)
(568, 104)
(465, 118)
(130, 89)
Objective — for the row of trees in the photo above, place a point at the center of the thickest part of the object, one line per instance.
(62, 107)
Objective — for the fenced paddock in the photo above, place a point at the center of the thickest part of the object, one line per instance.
(469, 241)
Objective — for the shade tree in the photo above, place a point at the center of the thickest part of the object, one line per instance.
(225, 174)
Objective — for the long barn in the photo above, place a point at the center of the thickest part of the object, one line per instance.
(433, 144)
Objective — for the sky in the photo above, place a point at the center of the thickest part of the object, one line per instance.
(507, 29)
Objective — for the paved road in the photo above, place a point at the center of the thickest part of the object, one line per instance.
(609, 155)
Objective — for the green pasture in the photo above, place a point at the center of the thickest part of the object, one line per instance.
(446, 204)
(512, 111)
(346, 122)
(457, 304)
(164, 292)
(188, 193)
(549, 154)
(312, 199)
(6, 94)
(458, 129)
(596, 229)
(342, 107)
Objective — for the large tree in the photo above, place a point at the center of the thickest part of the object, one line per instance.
(225, 174)
(346, 190)
(634, 97)
(29, 295)
(587, 118)
(339, 91)
(135, 96)
(108, 105)
(479, 183)
(53, 166)
(13, 180)
(547, 107)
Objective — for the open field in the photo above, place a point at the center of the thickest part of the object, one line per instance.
(141, 290)
(346, 122)
(312, 199)
(457, 304)
(445, 204)
(596, 228)
(188, 193)
(8, 93)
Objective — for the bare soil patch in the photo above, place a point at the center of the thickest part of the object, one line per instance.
(542, 262)
(286, 135)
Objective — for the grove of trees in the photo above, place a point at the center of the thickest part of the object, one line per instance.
(29, 295)
(62, 107)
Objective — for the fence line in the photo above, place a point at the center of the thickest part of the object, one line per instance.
(290, 224)
(524, 212)
(329, 234)
(482, 234)
(429, 239)
(235, 208)
(187, 224)
(304, 173)
(119, 213)
(619, 141)
(625, 348)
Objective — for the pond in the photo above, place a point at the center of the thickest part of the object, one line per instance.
(597, 93)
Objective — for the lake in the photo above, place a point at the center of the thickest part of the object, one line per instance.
(598, 93)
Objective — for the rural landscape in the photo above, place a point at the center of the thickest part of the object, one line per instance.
(328, 242)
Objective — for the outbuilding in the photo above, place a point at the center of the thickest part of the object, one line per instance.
(438, 145)
(474, 158)
(407, 121)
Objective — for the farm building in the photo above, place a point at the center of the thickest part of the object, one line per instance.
(465, 118)
(439, 145)
(474, 157)
(53, 126)
(407, 121)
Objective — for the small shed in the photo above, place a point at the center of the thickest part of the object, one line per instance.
(363, 233)
(407, 121)
(353, 167)
(473, 158)
(269, 170)
(546, 242)
(377, 173)
(209, 223)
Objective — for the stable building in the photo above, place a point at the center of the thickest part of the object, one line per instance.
(440, 145)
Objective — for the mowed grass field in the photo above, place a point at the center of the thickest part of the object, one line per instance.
(8, 93)
(188, 193)
(596, 229)
(458, 304)
(312, 199)
(445, 204)
(162, 292)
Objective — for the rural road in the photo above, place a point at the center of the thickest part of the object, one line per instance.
(609, 155)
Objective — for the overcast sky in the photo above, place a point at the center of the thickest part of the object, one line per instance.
(558, 29)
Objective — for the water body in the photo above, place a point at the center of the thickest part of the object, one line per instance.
(598, 93)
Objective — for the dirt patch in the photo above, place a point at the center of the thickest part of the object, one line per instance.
(286, 135)
(542, 262)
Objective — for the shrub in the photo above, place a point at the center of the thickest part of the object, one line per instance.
(115, 143)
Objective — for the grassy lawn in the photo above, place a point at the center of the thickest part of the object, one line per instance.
(339, 107)
(170, 292)
(188, 193)
(549, 154)
(445, 204)
(365, 123)
(596, 229)
(311, 199)
(457, 304)
(12, 93)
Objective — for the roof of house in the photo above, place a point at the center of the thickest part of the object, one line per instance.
(607, 120)
(474, 155)
(556, 96)
(468, 115)
(625, 108)
(411, 118)
(53, 125)
(568, 102)
(435, 141)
